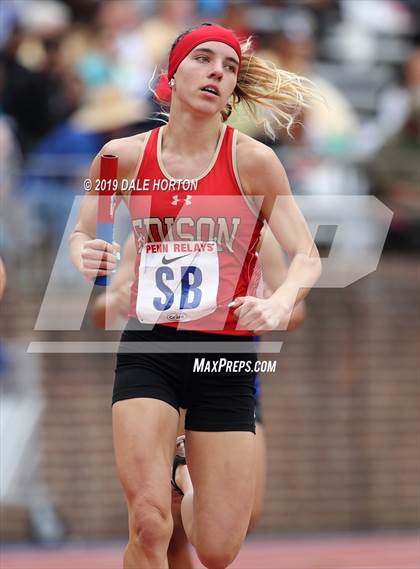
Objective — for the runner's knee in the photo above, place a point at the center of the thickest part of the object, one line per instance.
(150, 525)
(217, 555)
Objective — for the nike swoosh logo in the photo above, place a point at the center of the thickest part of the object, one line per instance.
(166, 261)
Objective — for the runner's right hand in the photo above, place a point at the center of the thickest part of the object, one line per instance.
(98, 258)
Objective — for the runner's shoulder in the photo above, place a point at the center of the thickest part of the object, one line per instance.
(128, 150)
(253, 158)
(253, 152)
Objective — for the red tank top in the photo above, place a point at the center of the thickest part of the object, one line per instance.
(195, 241)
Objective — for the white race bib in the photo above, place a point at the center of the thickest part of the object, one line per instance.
(178, 281)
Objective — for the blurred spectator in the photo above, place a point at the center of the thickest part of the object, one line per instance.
(324, 12)
(329, 125)
(235, 19)
(118, 52)
(387, 16)
(38, 91)
(394, 105)
(394, 173)
(109, 111)
(96, 65)
(160, 31)
(82, 10)
(369, 30)
(14, 214)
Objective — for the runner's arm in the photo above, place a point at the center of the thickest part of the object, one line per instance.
(264, 176)
(274, 270)
(264, 180)
(87, 253)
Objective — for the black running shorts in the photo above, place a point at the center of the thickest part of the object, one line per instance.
(217, 389)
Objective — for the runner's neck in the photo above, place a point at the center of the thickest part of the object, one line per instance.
(185, 135)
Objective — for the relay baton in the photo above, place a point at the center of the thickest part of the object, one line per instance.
(106, 203)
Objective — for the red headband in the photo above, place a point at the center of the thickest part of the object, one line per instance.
(187, 44)
(201, 35)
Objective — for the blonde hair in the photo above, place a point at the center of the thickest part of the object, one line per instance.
(273, 97)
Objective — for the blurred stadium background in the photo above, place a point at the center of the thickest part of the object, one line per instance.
(342, 411)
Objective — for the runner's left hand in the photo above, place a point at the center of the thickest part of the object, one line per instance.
(260, 314)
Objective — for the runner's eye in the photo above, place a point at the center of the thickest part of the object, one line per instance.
(202, 58)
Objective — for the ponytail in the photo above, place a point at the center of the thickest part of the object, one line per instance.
(273, 97)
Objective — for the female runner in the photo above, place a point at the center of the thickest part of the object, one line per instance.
(195, 259)
(115, 303)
